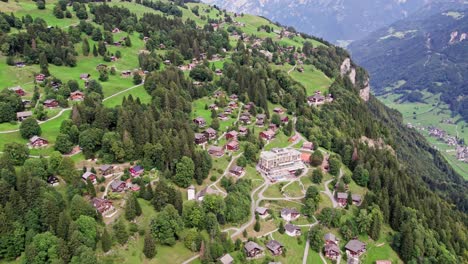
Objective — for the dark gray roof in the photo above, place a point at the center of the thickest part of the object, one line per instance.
(356, 197)
(332, 247)
(289, 211)
(105, 167)
(291, 227)
(330, 236)
(249, 246)
(355, 245)
(226, 259)
(116, 184)
(342, 195)
(261, 210)
(273, 245)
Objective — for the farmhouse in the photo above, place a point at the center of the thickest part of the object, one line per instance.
(106, 169)
(89, 175)
(342, 198)
(136, 171)
(213, 107)
(243, 131)
(232, 134)
(23, 115)
(292, 230)
(50, 103)
(118, 186)
(262, 212)
(330, 239)
(289, 214)
(252, 249)
(102, 205)
(355, 248)
(280, 159)
(275, 247)
(267, 135)
(200, 121)
(76, 96)
(200, 138)
(216, 151)
(37, 142)
(233, 145)
(278, 110)
(245, 119)
(210, 133)
(18, 90)
(331, 251)
(237, 170)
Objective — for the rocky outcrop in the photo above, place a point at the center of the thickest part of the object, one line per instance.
(346, 69)
(364, 93)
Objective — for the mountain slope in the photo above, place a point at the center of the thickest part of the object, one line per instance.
(427, 51)
(330, 19)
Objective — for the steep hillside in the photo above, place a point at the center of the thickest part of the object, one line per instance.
(424, 52)
(333, 20)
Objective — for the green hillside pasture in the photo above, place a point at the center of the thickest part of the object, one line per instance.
(26, 7)
(312, 79)
(294, 250)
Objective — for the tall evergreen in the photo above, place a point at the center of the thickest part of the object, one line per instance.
(149, 248)
(106, 241)
(85, 47)
(95, 52)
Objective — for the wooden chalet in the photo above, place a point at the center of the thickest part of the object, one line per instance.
(233, 145)
(252, 249)
(50, 103)
(262, 212)
(126, 74)
(20, 116)
(210, 133)
(85, 76)
(292, 230)
(355, 248)
(213, 107)
(89, 175)
(77, 96)
(116, 30)
(232, 134)
(199, 121)
(243, 131)
(245, 119)
(278, 110)
(237, 171)
(267, 135)
(234, 97)
(342, 198)
(216, 151)
(200, 138)
(330, 239)
(53, 181)
(37, 142)
(275, 247)
(331, 251)
(18, 90)
(290, 214)
(357, 199)
(226, 259)
(40, 77)
(102, 205)
(118, 186)
(136, 170)
(284, 119)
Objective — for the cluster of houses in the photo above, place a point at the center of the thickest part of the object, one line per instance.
(462, 153)
(318, 99)
(280, 163)
(442, 135)
(354, 248)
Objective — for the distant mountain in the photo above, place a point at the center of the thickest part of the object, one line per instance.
(428, 50)
(333, 20)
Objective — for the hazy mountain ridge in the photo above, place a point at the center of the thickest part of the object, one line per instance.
(331, 19)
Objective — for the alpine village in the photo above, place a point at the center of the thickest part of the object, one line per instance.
(157, 131)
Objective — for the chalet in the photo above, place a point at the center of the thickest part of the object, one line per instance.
(294, 138)
(213, 107)
(106, 170)
(267, 135)
(342, 198)
(218, 93)
(355, 248)
(261, 117)
(292, 230)
(330, 239)
(228, 110)
(23, 115)
(223, 116)
(331, 251)
(191, 193)
(245, 119)
(308, 145)
(131, 186)
(26, 103)
(237, 171)
(278, 110)
(50, 103)
(118, 43)
(118, 186)
(101, 66)
(116, 30)
(200, 138)
(232, 104)
(102, 205)
(262, 212)
(201, 194)
(89, 175)
(356, 199)
(145, 39)
(219, 72)
(260, 122)
(252, 249)
(126, 74)
(289, 214)
(55, 85)
(85, 76)
(167, 62)
(77, 96)
(216, 151)
(234, 97)
(114, 58)
(18, 90)
(243, 131)
(273, 127)
(200, 121)
(249, 106)
(232, 145)
(195, 83)
(275, 247)
(210, 133)
(226, 259)
(232, 134)
(284, 119)
(40, 77)
(37, 142)
(136, 171)
(52, 180)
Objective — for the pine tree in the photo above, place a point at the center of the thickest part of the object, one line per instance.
(281, 228)
(106, 241)
(95, 52)
(62, 226)
(85, 47)
(130, 211)
(149, 248)
(128, 42)
(138, 210)
(90, 188)
(257, 226)
(120, 232)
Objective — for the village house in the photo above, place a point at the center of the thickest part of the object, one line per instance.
(216, 151)
(131, 186)
(262, 212)
(136, 171)
(273, 127)
(243, 131)
(278, 110)
(191, 193)
(20, 64)
(318, 99)
(116, 30)
(226, 259)
(103, 206)
(383, 262)
(245, 119)
(213, 107)
(200, 138)
(232, 105)
(308, 145)
(284, 119)
(18, 90)
(23, 115)
(233, 97)
(232, 145)
(89, 175)
(210, 133)
(355, 248)
(290, 214)
(275, 247)
(85, 76)
(292, 230)
(201, 194)
(77, 96)
(222, 117)
(218, 93)
(37, 142)
(330, 239)
(252, 249)
(162, 46)
(126, 73)
(167, 62)
(331, 251)
(342, 198)
(118, 186)
(219, 72)
(249, 106)
(228, 110)
(232, 135)
(260, 122)
(200, 121)
(53, 181)
(237, 171)
(267, 135)
(261, 117)
(50, 103)
(106, 170)
(356, 199)
(40, 77)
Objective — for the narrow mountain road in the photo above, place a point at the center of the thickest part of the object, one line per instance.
(307, 246)
(329, 193)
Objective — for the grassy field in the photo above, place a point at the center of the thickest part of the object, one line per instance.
(293, 190)
(294, 249)
(138, 92)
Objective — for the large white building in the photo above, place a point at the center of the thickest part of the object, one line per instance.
(280, 161)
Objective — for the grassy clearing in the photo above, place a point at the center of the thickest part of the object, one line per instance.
(280, 141)
(273, 191)
(293, 190)
(295, 250)
(252, 174)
